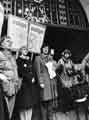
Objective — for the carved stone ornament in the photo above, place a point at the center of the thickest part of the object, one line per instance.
(38, 1)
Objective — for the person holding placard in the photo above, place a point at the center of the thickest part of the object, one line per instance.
(24, 96)
(27, 97)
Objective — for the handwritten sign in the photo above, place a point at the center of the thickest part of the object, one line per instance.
(18, 31)
(35, 37)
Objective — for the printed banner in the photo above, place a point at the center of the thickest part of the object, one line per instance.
(18, 31)
(1, 17)
(36, 37)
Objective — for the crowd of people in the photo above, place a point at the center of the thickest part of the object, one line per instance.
(33, 86)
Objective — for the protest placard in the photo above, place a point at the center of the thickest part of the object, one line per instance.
(18, 31)
(36, 37)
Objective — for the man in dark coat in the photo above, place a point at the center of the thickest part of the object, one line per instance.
(43, 77)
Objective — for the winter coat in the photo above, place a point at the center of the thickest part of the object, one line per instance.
(43, 77)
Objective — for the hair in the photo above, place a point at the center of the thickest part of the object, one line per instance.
(3, 38)
(19, 52)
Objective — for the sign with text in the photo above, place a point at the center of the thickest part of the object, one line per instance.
(1, 17)
(36, 37)
(18, 31)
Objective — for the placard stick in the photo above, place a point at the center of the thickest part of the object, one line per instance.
(27, 43)
(32, 56)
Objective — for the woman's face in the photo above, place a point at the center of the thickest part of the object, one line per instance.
(7, 43)
(24, 51)
(66, 55)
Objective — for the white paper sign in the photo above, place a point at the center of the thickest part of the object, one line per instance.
(36, 37)
(1, 17)
(18, 31)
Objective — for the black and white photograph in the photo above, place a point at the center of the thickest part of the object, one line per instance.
(44, 59)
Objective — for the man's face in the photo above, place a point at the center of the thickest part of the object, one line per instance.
(46, 50)
(7, 43)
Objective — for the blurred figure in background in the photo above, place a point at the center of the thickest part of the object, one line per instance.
(85, 67)
(8, 74)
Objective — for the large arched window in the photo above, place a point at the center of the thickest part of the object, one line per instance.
(55, 12)
(68, 13)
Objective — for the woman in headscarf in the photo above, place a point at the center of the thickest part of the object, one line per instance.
(65, 71)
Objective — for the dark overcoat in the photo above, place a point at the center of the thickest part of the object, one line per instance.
(24, 95)
(29, 94)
